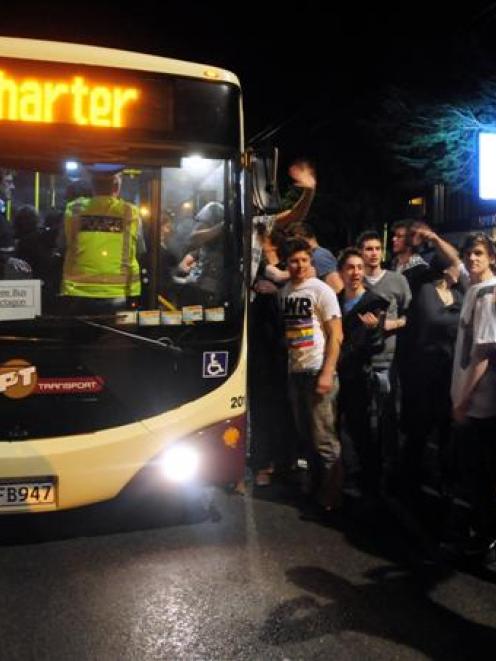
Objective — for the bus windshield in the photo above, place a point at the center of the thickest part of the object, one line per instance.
(129, 244)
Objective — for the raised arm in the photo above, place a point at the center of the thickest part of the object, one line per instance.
(209, 227)
(200, 237)
(442, 247)
(303, 176)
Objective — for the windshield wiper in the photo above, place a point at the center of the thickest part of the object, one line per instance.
(163, 342)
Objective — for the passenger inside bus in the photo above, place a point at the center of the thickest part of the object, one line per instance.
(26, 225)
(207, 239)
(174, 271)
(11, 267)
(101, 239)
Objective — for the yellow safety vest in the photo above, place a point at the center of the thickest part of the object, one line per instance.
(101, 238)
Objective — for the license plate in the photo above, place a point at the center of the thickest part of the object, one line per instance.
(27, 494)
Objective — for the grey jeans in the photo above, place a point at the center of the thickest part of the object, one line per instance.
(315, 418)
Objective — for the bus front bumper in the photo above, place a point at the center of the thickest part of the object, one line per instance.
(70, 472)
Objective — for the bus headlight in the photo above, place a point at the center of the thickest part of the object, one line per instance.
(180, 464)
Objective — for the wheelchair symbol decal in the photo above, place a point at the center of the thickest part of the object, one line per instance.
(214, 364)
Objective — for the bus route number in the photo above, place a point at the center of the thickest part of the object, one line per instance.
(237, 402)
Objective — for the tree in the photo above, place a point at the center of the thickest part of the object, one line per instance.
(438, 139)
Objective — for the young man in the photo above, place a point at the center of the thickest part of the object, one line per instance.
(394, 287)
(388, 284)
(323, 260)
(405, 252)
(313, 331)
(363, 321)
(268, 435)
(473, 388)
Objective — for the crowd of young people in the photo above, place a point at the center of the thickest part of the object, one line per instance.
(390, 377)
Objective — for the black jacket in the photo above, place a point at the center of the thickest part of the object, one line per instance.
(360, 343)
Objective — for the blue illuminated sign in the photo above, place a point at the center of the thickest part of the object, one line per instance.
(487, 166)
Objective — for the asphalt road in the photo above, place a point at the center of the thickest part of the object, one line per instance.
(232, 577)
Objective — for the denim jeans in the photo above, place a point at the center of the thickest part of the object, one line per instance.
(315, 418)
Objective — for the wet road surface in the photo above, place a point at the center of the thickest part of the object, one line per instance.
(232, 577)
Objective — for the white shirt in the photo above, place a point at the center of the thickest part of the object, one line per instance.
(414, 260)
(374, 279)
(477, 328)
(464, 277)
(305, 308)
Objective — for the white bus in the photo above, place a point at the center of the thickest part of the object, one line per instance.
(101, 386)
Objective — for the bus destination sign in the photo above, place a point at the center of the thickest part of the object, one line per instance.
(72, 100)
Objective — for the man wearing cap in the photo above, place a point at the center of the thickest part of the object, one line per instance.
(101, 269)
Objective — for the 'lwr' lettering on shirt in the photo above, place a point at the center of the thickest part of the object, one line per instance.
(297, 307)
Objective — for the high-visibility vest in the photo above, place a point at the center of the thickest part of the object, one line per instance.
(101, 238)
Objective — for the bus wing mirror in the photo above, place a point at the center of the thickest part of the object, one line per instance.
(264, 167)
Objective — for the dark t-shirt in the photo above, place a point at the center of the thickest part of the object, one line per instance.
(11, 268)
(433, 324)
(6, 232)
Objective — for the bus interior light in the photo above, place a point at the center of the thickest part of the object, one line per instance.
(195, 165)
(180, 464)
(72, 167)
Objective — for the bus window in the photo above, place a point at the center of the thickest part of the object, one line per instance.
(136, 244)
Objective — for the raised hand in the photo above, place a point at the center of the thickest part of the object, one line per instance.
(303, 175)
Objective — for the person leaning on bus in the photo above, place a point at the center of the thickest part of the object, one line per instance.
(102, 237)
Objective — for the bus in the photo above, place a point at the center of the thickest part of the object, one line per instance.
(122, 333)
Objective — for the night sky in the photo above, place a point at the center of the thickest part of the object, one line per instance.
(292, 58)
(308, 70)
